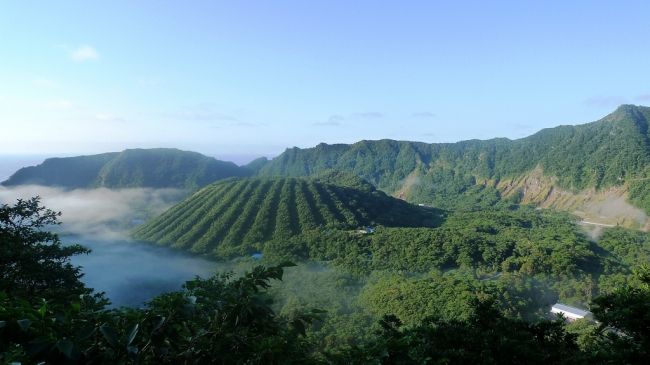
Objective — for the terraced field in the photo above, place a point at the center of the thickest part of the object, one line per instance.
(236, 216)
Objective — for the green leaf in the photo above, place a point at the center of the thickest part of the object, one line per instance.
(110, 334)
(65, 346)
(42, 310)
(3, 323)
(76, 306)
(132, 333)
(24, 324)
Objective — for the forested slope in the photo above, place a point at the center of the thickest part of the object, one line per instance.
(236, 216)
(614, 151)
(69, 172)
(156, 168)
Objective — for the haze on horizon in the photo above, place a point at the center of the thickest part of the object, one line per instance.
(253, 78)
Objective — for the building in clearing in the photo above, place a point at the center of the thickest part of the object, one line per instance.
(570, 313)
(366, 230)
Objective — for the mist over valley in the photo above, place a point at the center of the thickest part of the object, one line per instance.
(100, 219)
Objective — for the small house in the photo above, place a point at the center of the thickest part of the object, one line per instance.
(570, 313)
(367, 230)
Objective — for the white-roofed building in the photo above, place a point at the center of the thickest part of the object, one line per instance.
(570, 313)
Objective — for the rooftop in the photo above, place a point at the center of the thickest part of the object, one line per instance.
(572, 310)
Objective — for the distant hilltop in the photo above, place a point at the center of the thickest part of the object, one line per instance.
(155, 168)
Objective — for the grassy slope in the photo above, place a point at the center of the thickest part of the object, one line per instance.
(236, 216)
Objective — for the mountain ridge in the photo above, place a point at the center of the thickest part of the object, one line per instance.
(155, 168)
(612, 151)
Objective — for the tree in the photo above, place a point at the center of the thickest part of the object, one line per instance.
(486, 337)
(624, 317)
(33, 262)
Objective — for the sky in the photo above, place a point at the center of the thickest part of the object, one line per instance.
(251, 78)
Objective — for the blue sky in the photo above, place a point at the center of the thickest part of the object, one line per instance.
(254, 77)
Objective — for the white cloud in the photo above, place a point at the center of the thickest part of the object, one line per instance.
(333, 120)
(107, 117)
(84, 53)
(423, 115)
(368, 115)
(329, 123)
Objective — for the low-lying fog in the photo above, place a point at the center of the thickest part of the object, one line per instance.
(101, 213)
(129, 272)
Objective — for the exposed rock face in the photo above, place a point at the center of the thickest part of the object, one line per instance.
(599, 207)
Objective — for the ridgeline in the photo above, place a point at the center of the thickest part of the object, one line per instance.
(152, 168)
(613, 152)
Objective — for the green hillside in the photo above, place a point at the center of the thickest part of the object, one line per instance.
(614, 151)
(69, 172)
(157, 168)
(236, 216)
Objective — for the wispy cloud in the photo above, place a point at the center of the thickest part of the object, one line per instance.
(368, 115)
(107, 117)
(424, 115)
(605, 101)
(332, 121)
(326, 124)
(644, 97)
(246, 124)
(335, 118)
(84, 53)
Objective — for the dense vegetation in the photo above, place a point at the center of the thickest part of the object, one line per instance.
(238, 216)
(609, 152)
(48, 316)
(527, 259)
(156, 168)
